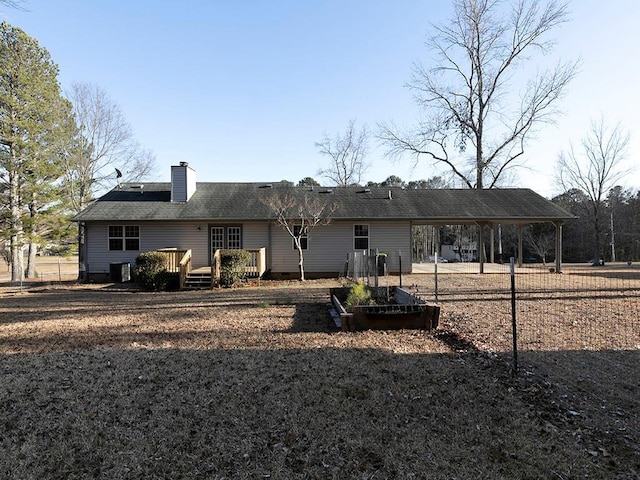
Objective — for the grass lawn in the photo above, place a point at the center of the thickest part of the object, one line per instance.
(255, 382)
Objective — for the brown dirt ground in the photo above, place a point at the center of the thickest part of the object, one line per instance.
(104, 381)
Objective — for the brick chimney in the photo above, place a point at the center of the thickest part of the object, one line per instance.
(183, 182)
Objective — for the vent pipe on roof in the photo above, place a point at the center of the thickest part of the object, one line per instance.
(390, 197)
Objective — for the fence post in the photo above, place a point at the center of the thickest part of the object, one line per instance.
(376, 269)
(435, 278)
(513, 317)
(400, 262)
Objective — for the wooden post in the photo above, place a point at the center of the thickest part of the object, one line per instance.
(558, 226)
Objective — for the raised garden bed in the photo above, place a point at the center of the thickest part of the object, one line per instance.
(395, 309)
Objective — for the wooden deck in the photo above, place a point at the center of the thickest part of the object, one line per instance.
(201, 270)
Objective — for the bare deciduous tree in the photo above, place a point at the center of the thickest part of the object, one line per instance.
(347, 155)
(595, 169)
(105, 147)
(17, 4)
(541, 239)
(298, 215)
(466, 98)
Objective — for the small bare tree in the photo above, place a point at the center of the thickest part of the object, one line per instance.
(466, 95)
(298, 215)
(541, 240)
(595, 169)
(347, 155)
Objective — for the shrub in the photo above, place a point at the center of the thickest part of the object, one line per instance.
(358, 295)
(151, 272)
(232, 266)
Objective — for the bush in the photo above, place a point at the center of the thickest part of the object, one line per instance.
(151, 272)
(358, 295)
(232, 266)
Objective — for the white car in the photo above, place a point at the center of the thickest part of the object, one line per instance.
(432, 258)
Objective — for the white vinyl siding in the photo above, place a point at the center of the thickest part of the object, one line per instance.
(330, 244)
(327, 252)
(255, 235)
(153, 236)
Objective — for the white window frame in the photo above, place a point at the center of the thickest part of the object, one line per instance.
(228, 236)
(123, 237)
(360, 237)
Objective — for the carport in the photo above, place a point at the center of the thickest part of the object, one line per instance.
(487, 209)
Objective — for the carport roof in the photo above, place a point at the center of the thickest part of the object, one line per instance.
(245, 201)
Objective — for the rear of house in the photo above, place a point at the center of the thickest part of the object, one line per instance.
(203, 217)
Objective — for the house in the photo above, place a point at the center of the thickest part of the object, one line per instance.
(204, 217)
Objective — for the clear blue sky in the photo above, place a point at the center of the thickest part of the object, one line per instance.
(243, 89)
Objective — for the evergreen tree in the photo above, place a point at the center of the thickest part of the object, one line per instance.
(34, 118)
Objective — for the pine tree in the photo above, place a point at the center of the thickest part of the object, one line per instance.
(34, 124)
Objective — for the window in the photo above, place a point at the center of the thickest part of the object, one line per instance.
(217, 238)
(360, 237)
(229, 237)
(124, 237)
(234, 238)
(304, 239)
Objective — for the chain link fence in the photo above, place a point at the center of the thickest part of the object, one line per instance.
(48, 269)
(577, 333)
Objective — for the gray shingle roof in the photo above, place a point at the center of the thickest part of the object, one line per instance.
(244, 201)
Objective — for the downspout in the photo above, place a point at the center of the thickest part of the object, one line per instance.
(269, 245)
(82, 253)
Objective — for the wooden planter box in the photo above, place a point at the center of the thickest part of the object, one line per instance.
(406, 311)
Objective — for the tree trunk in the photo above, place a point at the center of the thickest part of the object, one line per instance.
(479, 163)
(15, 221)
(31, 260)
(298, 242)
(17, 261)
(301, 264)
(599, 255)
(31, 230)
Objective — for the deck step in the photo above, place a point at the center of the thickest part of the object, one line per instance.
(198, 280)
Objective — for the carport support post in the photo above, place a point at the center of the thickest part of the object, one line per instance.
(492, 239)
(481, 252)
(558, 226)
(520, 228)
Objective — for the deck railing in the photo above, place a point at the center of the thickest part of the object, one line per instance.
(256, 267)
(258, 264)
(178, 261)
(185, 268)
(215, 269)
